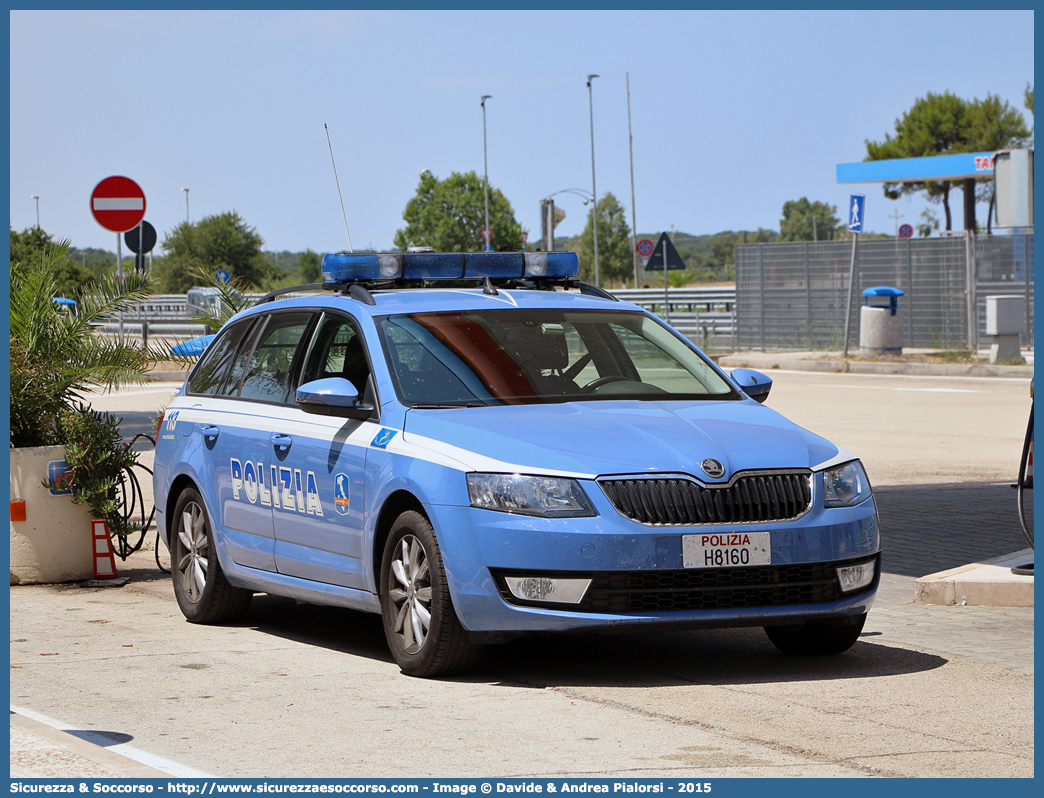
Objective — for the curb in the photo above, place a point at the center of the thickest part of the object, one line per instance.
(53, 753)
(768, 361)
(166, 376)
(986, 584)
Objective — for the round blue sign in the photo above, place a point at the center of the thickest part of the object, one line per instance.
(223, 275)
(906, 231)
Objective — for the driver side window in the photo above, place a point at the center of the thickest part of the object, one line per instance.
(337, 351)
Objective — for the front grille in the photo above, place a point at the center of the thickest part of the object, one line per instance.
(754, 497)
(754, 587)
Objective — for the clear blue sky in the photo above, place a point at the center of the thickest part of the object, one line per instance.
(733, 113)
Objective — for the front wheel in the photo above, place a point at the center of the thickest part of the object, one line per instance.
(202, 591)
(422, 629)
(817, 637)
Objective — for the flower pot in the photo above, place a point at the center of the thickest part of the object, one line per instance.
(53, 543)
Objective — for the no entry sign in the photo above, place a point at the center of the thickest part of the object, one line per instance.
(118, 204)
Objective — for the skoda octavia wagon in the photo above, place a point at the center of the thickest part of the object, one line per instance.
(478, 446)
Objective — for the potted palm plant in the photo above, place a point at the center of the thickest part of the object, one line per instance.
(56, 355)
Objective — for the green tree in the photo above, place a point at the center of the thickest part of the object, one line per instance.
(807, 221)
(311, 266)
(932, 126)
(1027, 97)
(449, 215)
(30, 242)
(223, 241)
(992, 125)
(615, 262)
(942, 124)
(73, 272)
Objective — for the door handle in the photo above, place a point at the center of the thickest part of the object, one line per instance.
(282, 441)
(210, 431)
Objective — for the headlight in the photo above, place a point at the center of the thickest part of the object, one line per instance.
(556, 497)
(845, 486)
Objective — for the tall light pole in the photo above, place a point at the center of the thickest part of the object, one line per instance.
(485, 166)
(594, 190)
(186, 205)
(35, 197)
(630, 152)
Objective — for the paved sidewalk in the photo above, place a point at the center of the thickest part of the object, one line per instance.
(834, 362)
(931, 528)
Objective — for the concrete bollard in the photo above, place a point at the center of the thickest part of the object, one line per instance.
(881, 325)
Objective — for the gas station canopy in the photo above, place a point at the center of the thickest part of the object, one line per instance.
(962, 166)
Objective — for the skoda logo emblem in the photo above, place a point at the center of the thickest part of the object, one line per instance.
(712, 467)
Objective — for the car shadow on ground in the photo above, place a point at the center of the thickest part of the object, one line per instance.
(335, 628)
(717, 656)
(712, 657)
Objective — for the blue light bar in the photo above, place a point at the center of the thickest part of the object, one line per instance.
(503, 265)
(433, 266)
(343, 267)
(552, 264)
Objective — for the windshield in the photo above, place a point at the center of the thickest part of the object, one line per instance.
(516, 356)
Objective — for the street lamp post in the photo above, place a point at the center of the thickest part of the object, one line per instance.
(485, 166)
(547, 214)
(594, 190)
(35, 197)
(186, 205)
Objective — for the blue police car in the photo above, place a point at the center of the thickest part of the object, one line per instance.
(507, 452)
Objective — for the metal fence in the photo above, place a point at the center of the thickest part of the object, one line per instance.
(794, 295)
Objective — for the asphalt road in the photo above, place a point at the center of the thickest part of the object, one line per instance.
(301, 690)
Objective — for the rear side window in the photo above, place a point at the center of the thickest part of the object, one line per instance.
(210, 373)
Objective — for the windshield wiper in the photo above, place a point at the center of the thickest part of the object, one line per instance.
(439, 406)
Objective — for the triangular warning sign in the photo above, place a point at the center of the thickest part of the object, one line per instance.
(674, 260)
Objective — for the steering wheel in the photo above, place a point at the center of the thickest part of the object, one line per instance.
(598, 383)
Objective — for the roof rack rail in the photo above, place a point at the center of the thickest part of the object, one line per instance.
(271, 295)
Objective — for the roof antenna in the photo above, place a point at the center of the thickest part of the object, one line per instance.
(338, 188)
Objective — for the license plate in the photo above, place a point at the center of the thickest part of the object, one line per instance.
(726, 550)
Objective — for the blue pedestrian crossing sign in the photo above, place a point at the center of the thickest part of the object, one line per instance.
(855, 213)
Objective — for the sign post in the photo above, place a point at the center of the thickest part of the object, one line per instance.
(664, 256)
(855, 225)
(486, 234)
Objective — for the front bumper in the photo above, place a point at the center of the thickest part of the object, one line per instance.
(637, 575)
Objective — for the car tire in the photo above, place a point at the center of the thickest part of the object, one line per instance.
(424, 634)
(200, 586)
(817, 638)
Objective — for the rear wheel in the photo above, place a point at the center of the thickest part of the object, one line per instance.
(817, 637)
(202, 591)
(422, 629)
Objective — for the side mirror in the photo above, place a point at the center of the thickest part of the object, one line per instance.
(332, 396)
(755, 384)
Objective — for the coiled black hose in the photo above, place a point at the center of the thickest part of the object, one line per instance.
(133, 511)
(1027, 531)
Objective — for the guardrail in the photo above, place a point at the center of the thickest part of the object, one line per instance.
(706, 316)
